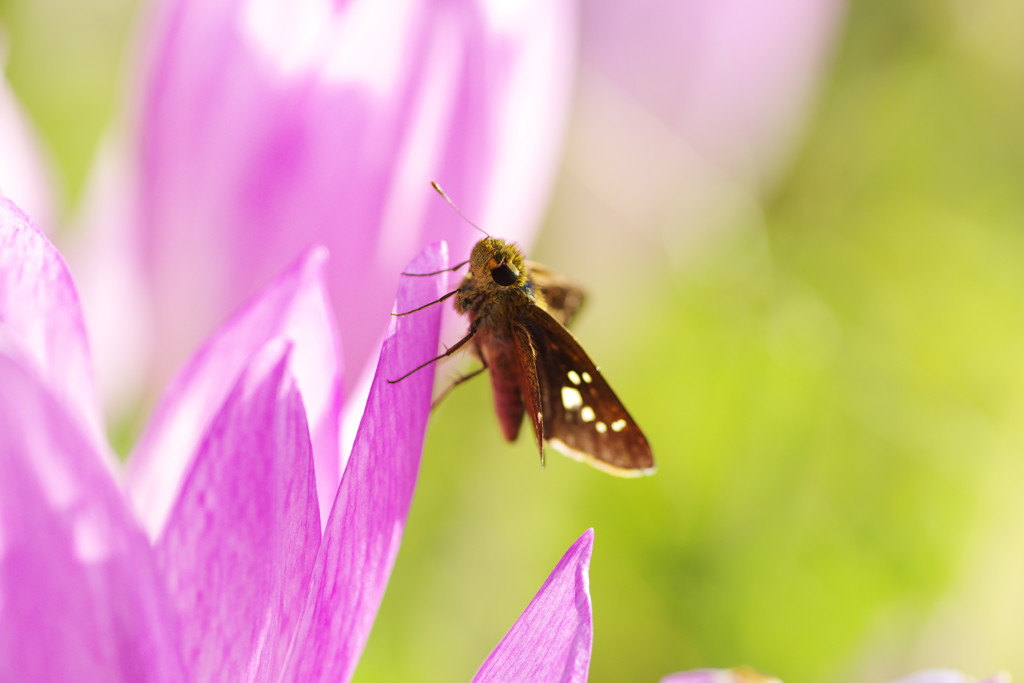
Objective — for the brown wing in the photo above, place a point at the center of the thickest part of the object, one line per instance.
(582, 416)
(529, 385)
(562, 297)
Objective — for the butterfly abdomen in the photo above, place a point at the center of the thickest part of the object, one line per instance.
(499, 354)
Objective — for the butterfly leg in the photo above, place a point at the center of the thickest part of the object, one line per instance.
(420, 308)
(457, 382)
(438, 272)
(455, 347)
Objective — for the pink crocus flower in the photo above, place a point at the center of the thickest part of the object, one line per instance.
(265, 126)
(238, 581)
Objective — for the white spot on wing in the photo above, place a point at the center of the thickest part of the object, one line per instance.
(618, 425)
(601, 427)
(587, 378)
(574, 377)
(571, 398)
(587, 414)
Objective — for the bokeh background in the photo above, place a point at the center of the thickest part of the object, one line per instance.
(813, 302)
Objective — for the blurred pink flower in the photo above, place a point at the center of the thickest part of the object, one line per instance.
(240, 582)
(266, 126)
(732, 78)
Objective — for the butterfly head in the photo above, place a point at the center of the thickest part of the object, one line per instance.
(499, 262)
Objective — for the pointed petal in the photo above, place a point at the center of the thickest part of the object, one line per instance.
(368, 517)
(294, 307)
(80, 597)
(39, 306)
(551, 641)
(240, 542)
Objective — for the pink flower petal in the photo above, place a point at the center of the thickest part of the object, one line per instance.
(294, 307)
(368, 518)
(551, 641)
(240, 542)
(39, 308)
(80, 597)
(267, 126)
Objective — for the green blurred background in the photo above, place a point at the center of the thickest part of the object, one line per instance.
(831, 379)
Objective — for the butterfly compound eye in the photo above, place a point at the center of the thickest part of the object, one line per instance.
(505, 275)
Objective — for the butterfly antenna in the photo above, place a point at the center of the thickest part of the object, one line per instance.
(454, 206)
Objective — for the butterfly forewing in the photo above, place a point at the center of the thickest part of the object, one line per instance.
(581, 414)
(530, 382)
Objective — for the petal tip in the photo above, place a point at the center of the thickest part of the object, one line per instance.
(584, 545)
(433, 254)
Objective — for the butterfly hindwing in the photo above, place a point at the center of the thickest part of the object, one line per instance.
(581, 414)
(562, 297)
